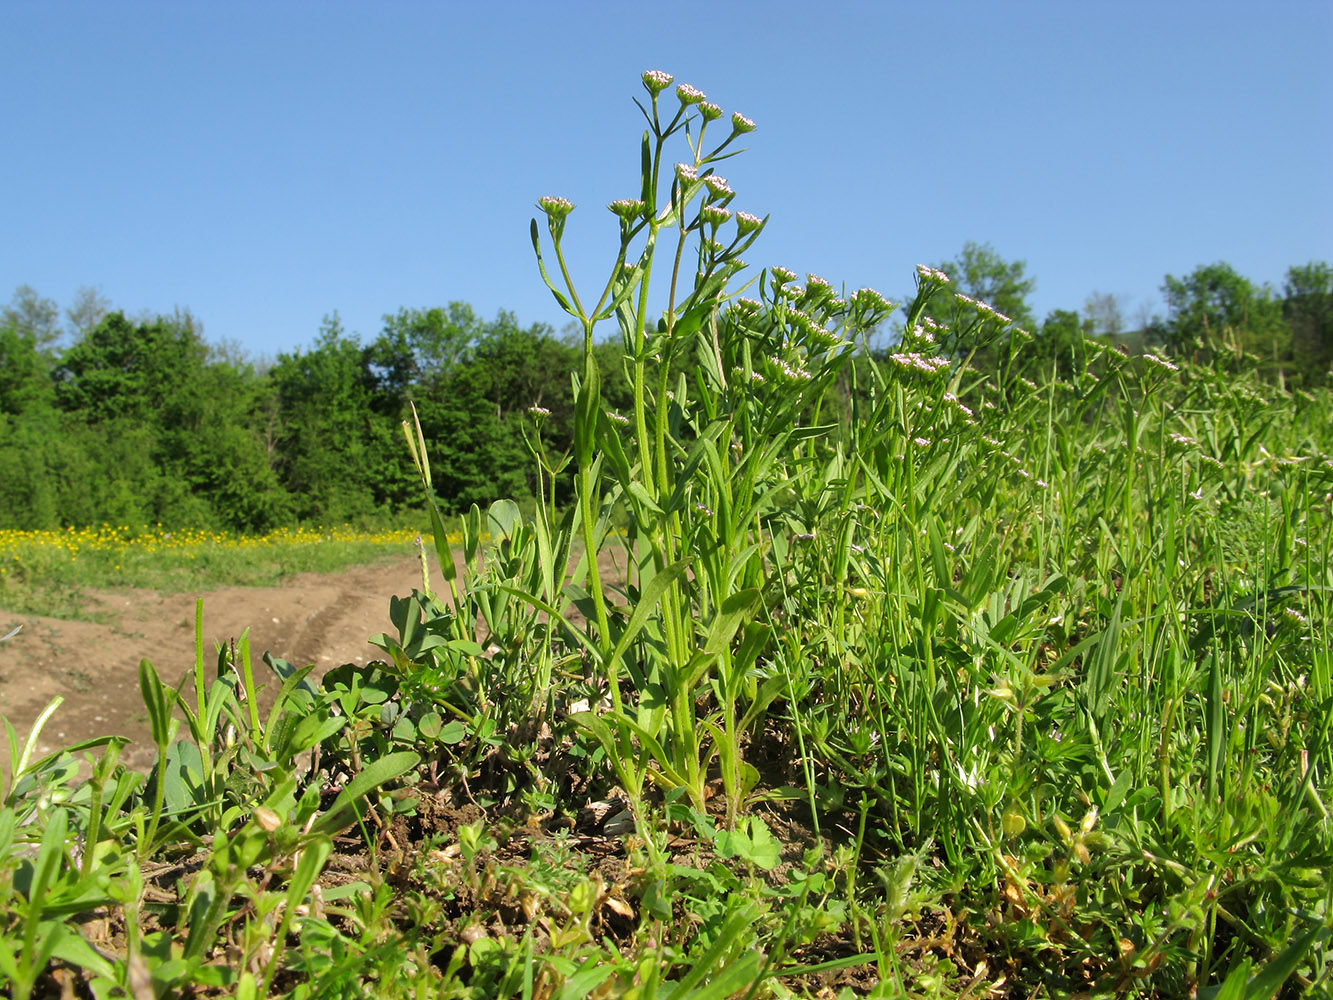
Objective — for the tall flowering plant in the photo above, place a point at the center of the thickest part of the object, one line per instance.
(726, 395)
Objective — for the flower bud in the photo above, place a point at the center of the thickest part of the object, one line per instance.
(656, 81)
(689, 95)
(628, 209)
(556, 208)
(741, 124)
(747, 223)
(718, 186)
(711, 112)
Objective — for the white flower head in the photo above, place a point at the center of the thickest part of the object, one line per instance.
(717, 186)
(714, 215)
(739, 123)
(1160, 362)
(657, 81)
(747, 223)
(628, 209)
(688, 94)
(555, 207)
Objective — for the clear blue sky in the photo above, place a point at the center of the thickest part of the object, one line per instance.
(263, 164)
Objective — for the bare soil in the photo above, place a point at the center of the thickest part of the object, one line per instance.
(324, 619)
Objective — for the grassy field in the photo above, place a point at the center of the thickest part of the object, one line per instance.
(958, 675)
(45, 572)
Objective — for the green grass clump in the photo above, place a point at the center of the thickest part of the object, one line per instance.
(932, 673)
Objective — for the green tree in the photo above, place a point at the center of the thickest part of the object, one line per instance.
(1307, 306)
(1059, 342)
(25, 370)
(331, 444)
(419, 347)
(30, 315)
(1217, 309)
(983, 274)
(126, 369)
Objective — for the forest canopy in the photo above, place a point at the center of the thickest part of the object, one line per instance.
(141, 421)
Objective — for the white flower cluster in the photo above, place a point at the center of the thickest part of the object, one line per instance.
(539, 411)
(714, 214)
(616, 418)
(688, 94)
(1160, 362)
(718, 186)
(739, 123)
(868, 297)
(783, 274)
(932, 273)
(628, 209)
(555, 206)
(656, 80)
(793, 372)
(930, 366)
(747, 223)
(1182, 439)
(687, 172)
(953, 401)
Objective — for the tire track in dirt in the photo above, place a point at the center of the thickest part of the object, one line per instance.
(320, 619)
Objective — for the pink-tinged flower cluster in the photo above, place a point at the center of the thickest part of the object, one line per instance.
(929, 366)
(868, 297)
(714, 215)
(555, 207)
(794, 373)
(628, 209)
(739, 123)
(687, 172)
(747, 223)
(1161, 362)
(986, 307)
(657, 81)
(710, 111)
(932, 274)
(957, 404)
(616, 418)
(689, 95)
(718, 187)
(783, 274)
(539, 411)
(754, 376)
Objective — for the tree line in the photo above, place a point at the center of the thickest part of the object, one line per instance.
(140, 420)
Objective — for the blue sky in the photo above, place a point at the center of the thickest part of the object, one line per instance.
(264, 164)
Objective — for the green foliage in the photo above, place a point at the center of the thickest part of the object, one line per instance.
(1014, 679)
(981, 273)
(1307, 306)
(1216, 310)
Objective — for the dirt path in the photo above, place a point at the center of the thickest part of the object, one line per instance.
(324, 619)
